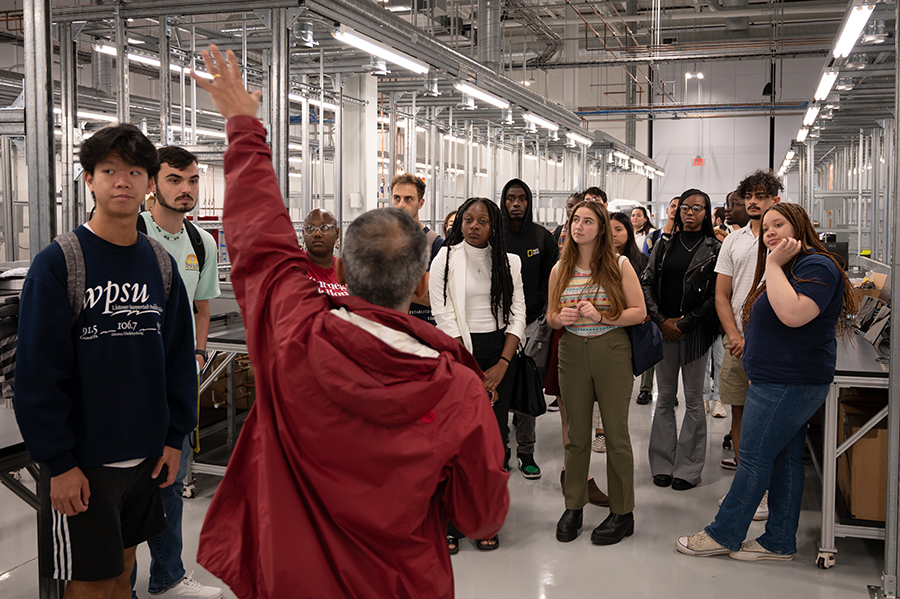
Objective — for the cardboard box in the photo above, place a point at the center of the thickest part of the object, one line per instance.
(244, 387)
(862, 469)
(878, 280)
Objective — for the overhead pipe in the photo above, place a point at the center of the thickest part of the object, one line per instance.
(489, 34)
(370, 19)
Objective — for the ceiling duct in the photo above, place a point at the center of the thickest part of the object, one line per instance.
(731, 23)
(490, 38)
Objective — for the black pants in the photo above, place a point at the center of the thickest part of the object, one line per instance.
(487, 348)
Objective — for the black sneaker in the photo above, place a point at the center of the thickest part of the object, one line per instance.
(528, 467)
(643, 398)
(553, 407)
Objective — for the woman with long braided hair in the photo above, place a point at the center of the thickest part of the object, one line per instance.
(477, 298)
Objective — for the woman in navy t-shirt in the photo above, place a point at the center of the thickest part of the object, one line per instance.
(789, 355)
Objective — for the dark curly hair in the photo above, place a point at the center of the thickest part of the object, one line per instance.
(501, 276)
(760, 180)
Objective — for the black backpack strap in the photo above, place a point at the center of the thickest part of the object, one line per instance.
(75, 272)
(141, 224)
(197, 243)
(165, 264)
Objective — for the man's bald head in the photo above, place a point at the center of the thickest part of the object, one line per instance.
(321, 215)
(385, 254)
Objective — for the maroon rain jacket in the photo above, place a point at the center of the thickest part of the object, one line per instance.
(355, 453)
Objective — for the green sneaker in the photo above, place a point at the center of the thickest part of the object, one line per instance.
(528, 467)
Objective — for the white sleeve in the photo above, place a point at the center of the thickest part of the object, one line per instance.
(444, 313)
(724, 263)
(516, 324)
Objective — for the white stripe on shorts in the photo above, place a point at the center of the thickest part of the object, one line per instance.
(62, 547)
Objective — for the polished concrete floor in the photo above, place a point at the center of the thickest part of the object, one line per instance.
(530, 562)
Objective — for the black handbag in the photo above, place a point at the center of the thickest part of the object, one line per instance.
(646, 346)
(528, 389)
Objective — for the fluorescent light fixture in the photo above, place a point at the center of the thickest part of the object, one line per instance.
(636, 162)
(357, 40)
(530, 156)
(579, 138)
(482, 95)
(533, 118)
(91, 116)
(399, 8)
(313, 101)
(693, 75)
(853, 26)
(826, 83)
(790, 155)
(811, 113)
(801, 135)
(659, 172)
(621, 155)
(147, 60)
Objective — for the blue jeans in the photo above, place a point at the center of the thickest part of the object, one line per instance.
(166, 567)
(773, 432)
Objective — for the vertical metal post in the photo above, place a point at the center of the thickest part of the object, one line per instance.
(122, 75)
(193, 83)
(279, 81)
(520, 158)
(439, 172)
(492, 162)
(7, 160)
(468, 149)
(68, 84)
(889, 188)
(876, 188)
(435, 178)
(39, 126)
(165, 83)
(537, 177)
(892, 521)
(306, 167)
(409, 154)
(338, 151)
(859, 192)
(321, 136)
(392, 140)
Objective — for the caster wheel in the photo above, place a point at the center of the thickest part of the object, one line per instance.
(189, 492)
(825, 560)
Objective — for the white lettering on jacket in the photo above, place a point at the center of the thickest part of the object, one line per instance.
(127, 297)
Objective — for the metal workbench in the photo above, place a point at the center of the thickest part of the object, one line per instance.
(858, 365)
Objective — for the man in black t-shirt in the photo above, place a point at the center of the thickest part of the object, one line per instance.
(408, 194)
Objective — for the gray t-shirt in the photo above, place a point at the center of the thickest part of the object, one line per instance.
(737, 259)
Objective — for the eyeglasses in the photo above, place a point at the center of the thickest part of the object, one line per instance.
(696, 208)
(736, 202)
(323, 229)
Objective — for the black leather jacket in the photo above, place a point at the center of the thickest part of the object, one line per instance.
(700, 324)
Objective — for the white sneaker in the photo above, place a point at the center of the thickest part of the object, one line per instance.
(190, 588)
(762, 512)
(599, 443)
(699, 545)
(752, 551)
(719, 410)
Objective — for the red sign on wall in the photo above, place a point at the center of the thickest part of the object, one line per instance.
(699, 161)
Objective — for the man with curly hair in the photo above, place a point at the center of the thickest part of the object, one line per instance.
(735, 267)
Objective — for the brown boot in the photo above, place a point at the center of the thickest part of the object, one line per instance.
(596, 496)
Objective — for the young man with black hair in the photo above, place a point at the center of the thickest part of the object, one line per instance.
(177, 190)
(408, 194)
(538, 250)
(735, 267)
(595, 194)
(105, 395)
(735, 213)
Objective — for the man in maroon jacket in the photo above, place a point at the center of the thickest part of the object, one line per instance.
(370, 427)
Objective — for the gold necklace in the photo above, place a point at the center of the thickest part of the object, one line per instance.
(477, 268)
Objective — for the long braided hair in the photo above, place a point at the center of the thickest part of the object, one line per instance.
(501, 277)
(809, 244)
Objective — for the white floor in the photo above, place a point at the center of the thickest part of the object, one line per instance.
(530, 562)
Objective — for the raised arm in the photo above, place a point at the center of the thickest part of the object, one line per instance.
(792, 308)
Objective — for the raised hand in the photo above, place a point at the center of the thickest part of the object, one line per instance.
(782, 253)
(226, 88)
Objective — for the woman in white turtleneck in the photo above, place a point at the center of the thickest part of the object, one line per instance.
(477, 298)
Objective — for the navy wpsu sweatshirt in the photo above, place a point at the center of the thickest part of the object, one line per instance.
(121, 382)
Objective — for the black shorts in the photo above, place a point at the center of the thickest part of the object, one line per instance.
(125, 509)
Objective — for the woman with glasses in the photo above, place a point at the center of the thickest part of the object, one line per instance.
(679, 287)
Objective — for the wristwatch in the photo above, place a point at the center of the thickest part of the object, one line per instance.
(202, 352)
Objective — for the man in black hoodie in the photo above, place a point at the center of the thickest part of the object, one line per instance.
(538, 250)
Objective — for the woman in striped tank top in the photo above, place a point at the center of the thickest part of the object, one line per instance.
(593, 294)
